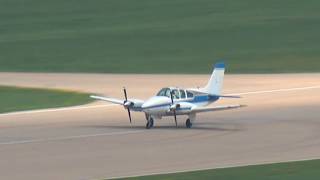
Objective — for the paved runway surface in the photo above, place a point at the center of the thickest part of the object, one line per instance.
(281, 123)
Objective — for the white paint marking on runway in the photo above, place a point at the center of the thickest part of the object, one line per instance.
(275, 90)
(57, 109)
(69, 137)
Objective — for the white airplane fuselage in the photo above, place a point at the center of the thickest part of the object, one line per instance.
(160, 105)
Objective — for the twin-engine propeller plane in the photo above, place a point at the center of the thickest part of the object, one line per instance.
(172, 101)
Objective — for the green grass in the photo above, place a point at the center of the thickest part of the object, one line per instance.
(308, 170)
(159, 36)
(18, 99)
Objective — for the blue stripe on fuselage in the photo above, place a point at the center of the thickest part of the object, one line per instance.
(209, 98)
(196, 99)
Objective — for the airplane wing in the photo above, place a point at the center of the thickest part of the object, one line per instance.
(215, 108)
(112, 100)
(133, 104)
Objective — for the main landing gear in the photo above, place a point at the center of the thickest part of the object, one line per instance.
(188, 123)
(190, 119)
(150, 122)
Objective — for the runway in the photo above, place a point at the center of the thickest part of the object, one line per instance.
(280, 123)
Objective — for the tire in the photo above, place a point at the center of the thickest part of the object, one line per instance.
(149, 123)
(147, 116)
(188, 123)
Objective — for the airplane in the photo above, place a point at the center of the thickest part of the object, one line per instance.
(174, 101)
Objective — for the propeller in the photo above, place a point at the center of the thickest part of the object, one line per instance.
(173, 109)
(126, 103)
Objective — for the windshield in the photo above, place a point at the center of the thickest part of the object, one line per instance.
(166, 92)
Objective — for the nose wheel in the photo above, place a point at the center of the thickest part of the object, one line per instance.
(188, 123)
(149, 123)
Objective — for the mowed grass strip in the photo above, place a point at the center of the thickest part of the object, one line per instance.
(159, 36)
(18, 99)
(293, 170)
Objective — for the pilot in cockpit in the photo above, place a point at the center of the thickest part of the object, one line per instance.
(175, 94)
(167, 92)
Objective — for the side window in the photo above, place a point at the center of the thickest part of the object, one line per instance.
(189, 94)
(182, 94)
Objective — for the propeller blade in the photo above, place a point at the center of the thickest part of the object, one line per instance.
(129, 115)
(125, 94)
(126, 100)
(174, 111)
(171, 95)
(175, 117)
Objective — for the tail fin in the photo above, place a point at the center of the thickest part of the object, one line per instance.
(215, 83)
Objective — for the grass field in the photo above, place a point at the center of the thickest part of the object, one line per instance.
(17, 99)
(159, 36)
(308, 170)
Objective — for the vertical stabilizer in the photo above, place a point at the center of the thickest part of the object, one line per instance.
(215, 83)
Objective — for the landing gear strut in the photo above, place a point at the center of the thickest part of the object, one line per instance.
(149, 123)
(188, 123)
(190, 119)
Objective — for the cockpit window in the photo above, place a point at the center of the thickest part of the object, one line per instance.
(166, 92)
(175, 94)
(163, 92)
(189, 94)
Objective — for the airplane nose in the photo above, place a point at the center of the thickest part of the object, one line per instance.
(147, 104)
(144, 105)
(153, 102)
